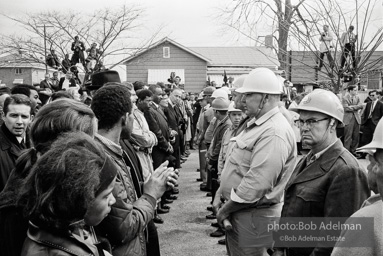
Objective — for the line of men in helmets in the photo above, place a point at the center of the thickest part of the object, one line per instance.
(257, 171)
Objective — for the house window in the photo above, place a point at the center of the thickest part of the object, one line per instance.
(166, 52)
(18, 71)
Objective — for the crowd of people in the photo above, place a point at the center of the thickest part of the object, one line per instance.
(88, 170)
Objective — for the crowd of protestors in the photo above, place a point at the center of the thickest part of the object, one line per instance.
(88, 170)
(134, 136)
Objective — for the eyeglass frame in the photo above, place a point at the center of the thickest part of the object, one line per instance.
(310, 123)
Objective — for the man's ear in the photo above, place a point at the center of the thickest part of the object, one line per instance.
(123, 119)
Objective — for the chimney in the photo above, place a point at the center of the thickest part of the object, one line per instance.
(269, 41)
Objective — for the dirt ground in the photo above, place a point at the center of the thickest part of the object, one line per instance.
(186, 229)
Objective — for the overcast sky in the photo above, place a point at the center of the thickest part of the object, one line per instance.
(188, 22)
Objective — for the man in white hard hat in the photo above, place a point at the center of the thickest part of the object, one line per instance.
(328, 181)
(220, 107)
(258, 165)
(235, 116)
(206, 116)
(373, 210)
(237, 99)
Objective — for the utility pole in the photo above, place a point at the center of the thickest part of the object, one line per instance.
(45, 46)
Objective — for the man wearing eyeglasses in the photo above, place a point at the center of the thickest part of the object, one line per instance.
(328, 181)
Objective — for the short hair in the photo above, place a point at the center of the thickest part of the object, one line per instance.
(142, 94)
(351, 87)
(168, 91)
(61, 95)
(23, 89)
(351, 27)
(128, 85)
(110, 103)
(325, 26)
(17, 99)
(162, 84)
(153, 87)
(178, 89)
(138, 85)
(60, 116)
(372, 91)
(63, 183)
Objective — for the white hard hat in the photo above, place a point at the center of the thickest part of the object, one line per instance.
(238, 82)
(377, 140)
(220, 104)
(322, 101)
(200, 96)
(232, 108)
(227, 89)
(220, 93)
(261, 80)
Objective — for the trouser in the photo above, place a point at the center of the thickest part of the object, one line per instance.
(207, 170)
(348, 48)
(77, 57)
(351, 135)
(202, 161)
(248, 231)
(329, 57)
(152, 245)
(214, 180)
(182, 141)
(367, 132)
(176, 152)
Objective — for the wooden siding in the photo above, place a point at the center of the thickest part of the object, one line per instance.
(303, 69)
(195, 68)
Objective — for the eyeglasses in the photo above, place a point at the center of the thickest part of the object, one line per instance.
(310, 122)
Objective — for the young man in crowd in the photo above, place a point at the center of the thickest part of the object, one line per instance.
(18, 111)
(125, 226)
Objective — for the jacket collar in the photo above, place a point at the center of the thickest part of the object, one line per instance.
(158, 110)
(8, 139)
(72, 244)
(319, 167)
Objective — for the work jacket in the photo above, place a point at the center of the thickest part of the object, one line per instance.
(334, 185)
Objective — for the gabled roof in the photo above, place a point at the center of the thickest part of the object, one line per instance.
(239, 56)
(172, 42)
(16, 61)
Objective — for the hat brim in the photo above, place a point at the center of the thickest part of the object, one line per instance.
(298, 109)
(243, 90)
(371, 146)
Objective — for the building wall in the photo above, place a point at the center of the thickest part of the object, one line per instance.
(8, 75)
(195, 68)
(29, 75)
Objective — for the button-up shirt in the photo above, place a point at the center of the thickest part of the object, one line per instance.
(261, 161)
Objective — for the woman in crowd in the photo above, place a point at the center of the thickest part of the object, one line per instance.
(68, 191)
(60, 116)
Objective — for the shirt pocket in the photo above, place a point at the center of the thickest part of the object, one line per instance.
(241, 155)
(311, 201)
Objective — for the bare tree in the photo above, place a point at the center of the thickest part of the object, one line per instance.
(339, 18)
(250, 16)
(298, 26)
(114, 30)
